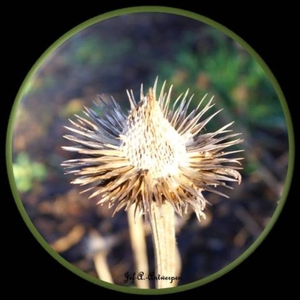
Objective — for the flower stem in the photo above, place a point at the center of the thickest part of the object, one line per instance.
(138, 244)
(102, 268)
(163, 235)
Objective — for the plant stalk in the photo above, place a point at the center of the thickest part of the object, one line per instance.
(102, 267)
(138, 244)
(163, 235)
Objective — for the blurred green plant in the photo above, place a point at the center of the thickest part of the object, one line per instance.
(27, 171)
(225, 69)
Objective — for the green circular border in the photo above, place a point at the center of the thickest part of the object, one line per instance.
(153, 9)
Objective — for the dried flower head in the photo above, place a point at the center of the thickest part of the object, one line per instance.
(155, 154)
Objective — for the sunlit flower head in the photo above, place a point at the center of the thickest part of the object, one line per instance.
(157, 152)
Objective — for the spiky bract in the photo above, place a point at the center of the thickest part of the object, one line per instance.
(156, 153)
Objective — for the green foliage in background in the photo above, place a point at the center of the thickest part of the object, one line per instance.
(27, 171)
(227, 71)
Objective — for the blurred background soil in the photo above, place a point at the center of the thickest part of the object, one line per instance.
(121, 53)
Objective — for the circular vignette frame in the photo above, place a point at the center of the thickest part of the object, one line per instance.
(291, 144)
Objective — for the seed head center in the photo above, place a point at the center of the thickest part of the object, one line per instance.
(150, 142)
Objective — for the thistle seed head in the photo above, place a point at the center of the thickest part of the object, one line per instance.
(155, 154)
(150, 142)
